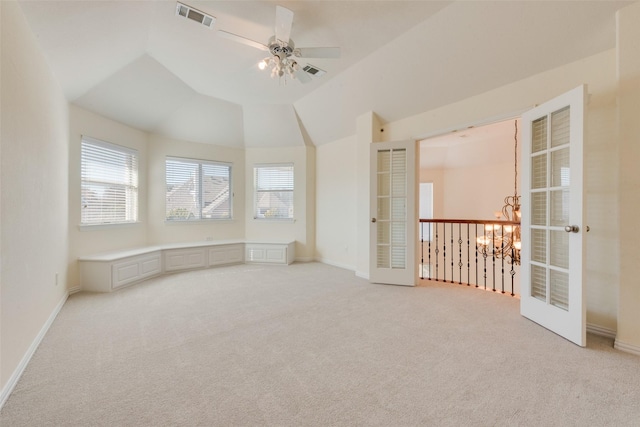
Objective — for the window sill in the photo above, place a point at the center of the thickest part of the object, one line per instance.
(291, 220)
(94, 227)
(197, 221)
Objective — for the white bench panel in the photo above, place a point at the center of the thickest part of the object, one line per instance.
(183, 259)
(224, 255)
(108, 271)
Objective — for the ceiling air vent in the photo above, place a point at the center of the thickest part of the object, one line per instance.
(313, 70)
(195, 15)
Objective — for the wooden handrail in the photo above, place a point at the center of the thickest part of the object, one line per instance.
(471, 221)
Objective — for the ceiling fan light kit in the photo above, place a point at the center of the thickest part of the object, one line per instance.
(282, 61)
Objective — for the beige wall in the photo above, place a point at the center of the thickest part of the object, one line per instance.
(436, 177)
(368, 130)
(90, 240)
(629, 175)
(335, 207)
(300, 228)
(34, 193)
(476, 192)
(160, 231)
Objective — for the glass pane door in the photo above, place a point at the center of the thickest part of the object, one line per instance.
(392, 209)
(550, 196)
(552, 291)
(393, 213)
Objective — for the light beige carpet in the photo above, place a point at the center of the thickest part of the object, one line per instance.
(312, 345)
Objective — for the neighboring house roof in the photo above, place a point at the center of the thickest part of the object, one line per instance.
(182, 199)
(274, 204)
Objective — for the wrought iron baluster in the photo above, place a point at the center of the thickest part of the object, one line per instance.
(502, 248)
(421, 250)
(484, 256)
(513, 271)
(444, 252)
(468, 258)
(477, 281)
(437, 252)
(460, 253)
(429, 252)
(493, 258)
(452, 252)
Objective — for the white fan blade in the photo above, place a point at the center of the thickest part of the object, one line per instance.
(284, 20)
(317, 52)
(242, 40)
(302, 76)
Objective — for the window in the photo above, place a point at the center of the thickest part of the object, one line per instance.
(109, 183)
(273, 191)
(197, 190)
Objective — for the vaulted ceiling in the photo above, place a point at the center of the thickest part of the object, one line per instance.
(139, 63)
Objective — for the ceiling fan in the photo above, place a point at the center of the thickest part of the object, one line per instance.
(282, 60)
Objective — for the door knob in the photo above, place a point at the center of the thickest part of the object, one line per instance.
(572, 229)
(373, 220)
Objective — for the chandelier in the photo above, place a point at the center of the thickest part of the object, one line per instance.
(281, 62)
(503, 240)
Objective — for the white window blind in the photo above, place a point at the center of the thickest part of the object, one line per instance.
(197, 189)
(273, 191)
(109, 183)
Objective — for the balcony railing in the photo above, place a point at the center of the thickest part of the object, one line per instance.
(471, 252)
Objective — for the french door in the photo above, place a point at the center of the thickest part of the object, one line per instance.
(552, 293)
(393, 236)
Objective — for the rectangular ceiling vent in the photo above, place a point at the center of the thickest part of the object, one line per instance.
(313, 70)
(195, 15)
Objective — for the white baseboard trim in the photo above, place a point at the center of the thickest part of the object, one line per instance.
(336, 264)
(305, 259)
(362, 275)
(629, 348)
(74, 290)
(13, 380)
(601, 331)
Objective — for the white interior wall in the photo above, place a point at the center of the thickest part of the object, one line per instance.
(476, 172)
(95, 239)
(34, 193)
(296, 229)
(628, 65)
(368, 130)
(160, 231)
(436, 177)
(476, 192)
(335, 207)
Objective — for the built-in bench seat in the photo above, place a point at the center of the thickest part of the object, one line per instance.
(108, 271)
